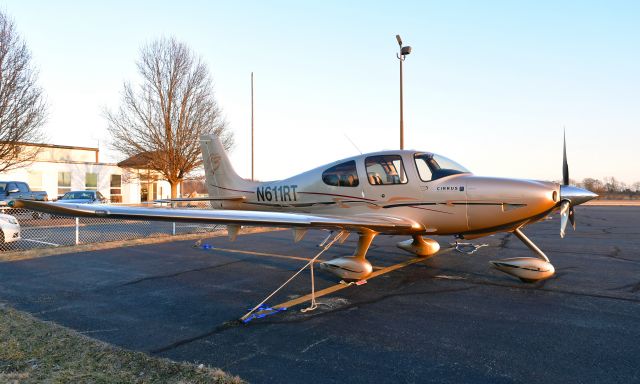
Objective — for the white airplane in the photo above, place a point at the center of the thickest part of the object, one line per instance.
(402, 192)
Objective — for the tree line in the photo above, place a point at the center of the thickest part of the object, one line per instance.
(610, 185)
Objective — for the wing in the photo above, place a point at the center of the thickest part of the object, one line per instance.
(188, 199)
(356, 223)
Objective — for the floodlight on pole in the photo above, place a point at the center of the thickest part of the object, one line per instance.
(404, 51)
(252, 134)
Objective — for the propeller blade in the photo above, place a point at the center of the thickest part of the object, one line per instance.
(572, 218)
(564, 216)
(565, 166)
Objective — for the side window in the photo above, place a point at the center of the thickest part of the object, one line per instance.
(422, 163)
(385, 170)
(342, 175)
(23, 187)
(11, 186)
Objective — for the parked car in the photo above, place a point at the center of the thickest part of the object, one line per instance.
(9, 229)
(12, 190)
(83, 197)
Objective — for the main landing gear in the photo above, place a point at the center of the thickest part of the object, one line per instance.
(354, 267)
(357, 267)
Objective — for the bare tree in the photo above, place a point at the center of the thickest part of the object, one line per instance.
(611, 184)
(22, 104)
(593, 185)
(161, 119)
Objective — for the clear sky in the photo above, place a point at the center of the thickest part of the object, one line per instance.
(489, 83)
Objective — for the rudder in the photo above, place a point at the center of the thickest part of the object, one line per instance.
(222, 180)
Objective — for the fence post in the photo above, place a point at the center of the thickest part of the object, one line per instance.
(173, 224)
(77, 230)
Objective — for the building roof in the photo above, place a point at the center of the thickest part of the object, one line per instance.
(140, 161)
(43, 145)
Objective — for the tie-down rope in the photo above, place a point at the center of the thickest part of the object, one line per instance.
(313, 305)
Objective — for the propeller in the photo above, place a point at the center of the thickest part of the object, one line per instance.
(570, 196)
(566, 208)
(565, 165)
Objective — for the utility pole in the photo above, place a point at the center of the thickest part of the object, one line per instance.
(252, 135)
(404, 51)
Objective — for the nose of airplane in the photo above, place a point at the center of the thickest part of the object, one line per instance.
(575, 195)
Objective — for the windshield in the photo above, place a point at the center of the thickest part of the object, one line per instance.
(77, 195)
(431, 166)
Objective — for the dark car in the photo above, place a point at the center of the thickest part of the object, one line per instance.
(83, 197)
(13, 190)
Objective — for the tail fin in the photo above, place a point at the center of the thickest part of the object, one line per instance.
(222, 180)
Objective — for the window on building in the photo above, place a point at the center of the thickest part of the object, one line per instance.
(115, 190)
(341, 175)
(91, 181)
(385, 169)
(64, 183)
(35, 180)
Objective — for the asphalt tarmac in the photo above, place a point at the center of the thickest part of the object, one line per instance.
(450, 318)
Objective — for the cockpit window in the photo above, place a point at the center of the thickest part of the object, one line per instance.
(385, 169)
(341, 175)
(431, 166)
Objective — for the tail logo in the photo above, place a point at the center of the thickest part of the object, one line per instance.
(215, 161)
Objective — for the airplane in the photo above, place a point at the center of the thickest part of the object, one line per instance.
(399, 192)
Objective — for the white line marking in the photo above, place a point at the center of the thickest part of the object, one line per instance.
(41, 242)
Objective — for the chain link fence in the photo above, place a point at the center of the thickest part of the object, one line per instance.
(22, 229)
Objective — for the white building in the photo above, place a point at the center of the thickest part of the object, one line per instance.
(59, 169)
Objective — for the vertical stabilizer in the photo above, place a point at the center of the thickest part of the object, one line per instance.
(222, 180)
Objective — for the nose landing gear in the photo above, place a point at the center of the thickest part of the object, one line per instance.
(527, 269)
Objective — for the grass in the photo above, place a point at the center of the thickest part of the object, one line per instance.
(35, 351)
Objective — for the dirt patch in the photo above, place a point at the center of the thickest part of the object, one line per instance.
(35, 351)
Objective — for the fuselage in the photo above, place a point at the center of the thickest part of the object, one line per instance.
(436, 193)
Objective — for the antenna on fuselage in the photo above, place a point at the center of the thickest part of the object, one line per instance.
(352, 143)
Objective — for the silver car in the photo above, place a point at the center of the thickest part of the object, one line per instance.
(83, 197)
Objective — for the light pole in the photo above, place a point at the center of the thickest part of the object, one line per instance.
(404, 51)
(252, 135)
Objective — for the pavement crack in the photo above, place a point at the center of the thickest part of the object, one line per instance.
(220, 328)
(613, 254)
(132, 282)
(236, 323)
(540, 288)
(633, 288)
(314, 344)
(363, 303)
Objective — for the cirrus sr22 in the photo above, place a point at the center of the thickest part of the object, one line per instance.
(407, 193)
